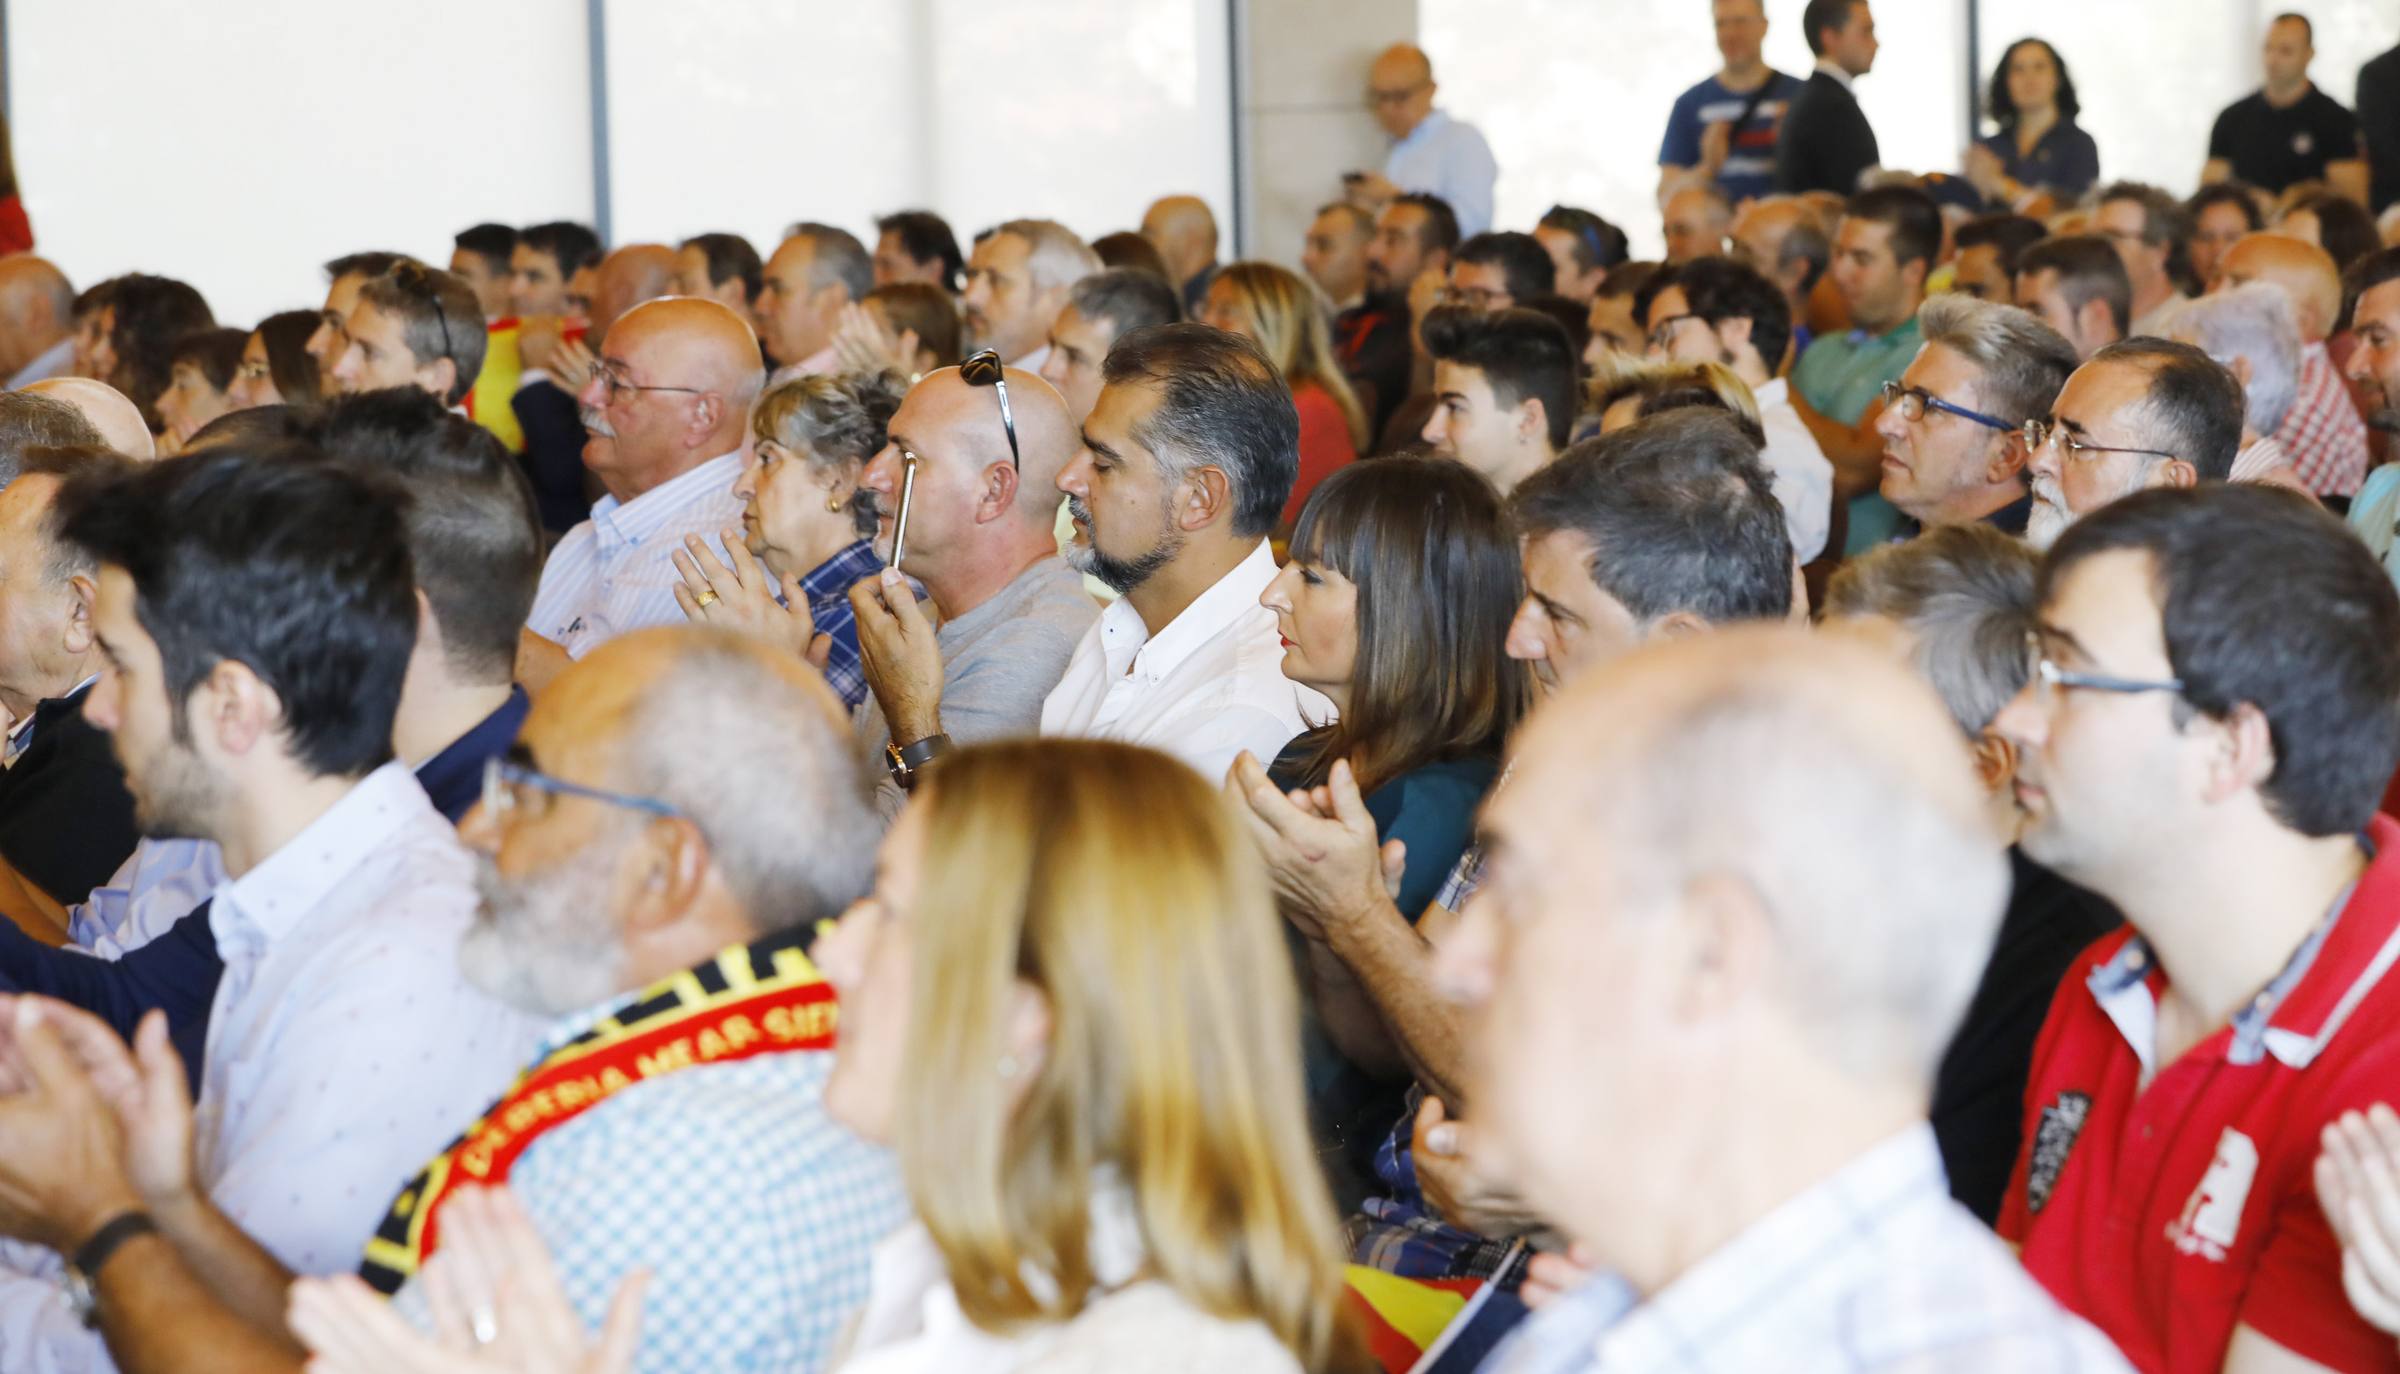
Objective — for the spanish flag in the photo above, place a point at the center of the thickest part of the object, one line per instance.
(488, 400)
(1430, 1326)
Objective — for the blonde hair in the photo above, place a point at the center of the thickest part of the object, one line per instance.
(1672, 385)
(1288, 320)
(1112, 879)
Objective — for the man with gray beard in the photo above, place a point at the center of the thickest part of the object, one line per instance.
(2141, 413)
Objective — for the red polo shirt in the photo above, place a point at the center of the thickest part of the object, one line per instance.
(2168, 1215)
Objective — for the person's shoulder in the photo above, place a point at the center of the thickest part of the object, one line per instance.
(1152, 1327)
(2326, 107)
(1948, 1288)
(1459, 781)
(1699, 93)
(1784, 85)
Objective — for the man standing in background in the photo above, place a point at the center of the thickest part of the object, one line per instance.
(1432, 153)
(1723, 130)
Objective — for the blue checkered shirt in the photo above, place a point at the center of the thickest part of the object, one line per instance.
(755, 1213)
(1875, 1268)
(827, 587)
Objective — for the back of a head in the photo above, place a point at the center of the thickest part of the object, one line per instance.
(574, 246)
(1629, 280)
(152, 313)
(1127, 298)
(1819, 16)
(2315, 648)
(257, 425)
(28, 283)
(1964, 594)
(1717, 289)
(2192, 406)
(439, 318)
(1707, 386)
(730, 257)
(63, 559)
(839, 259)
(926, 237)
(29, 421)
(1056, 257)
(1221, 404)
(121, 423)
(2252, 322)
(1131, 252)
(1169, 1055)
(842, 418)
(1680, 515)
(2022, 361)
(276, 559)
(2088, 270)
(473, 536)
(289, 363)
(1521, 258)
(1911, 215)
(929, 312)
(1520, 353)
(2006, 233)
(2344, 228)
(1438, 227)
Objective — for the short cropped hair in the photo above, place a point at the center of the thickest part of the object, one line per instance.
(1911, 215)
(2088, 270)
(730, 256)
(1440, 229)
(2193, 408)
(1821, 15)
(2254, 322)
(372, 262)
(1222, 404)
(1680, 515)
(573, 246)
(29, 421)
(837, 256)
(1521, 259)
(1717, 289)
(1596, 242)
(2007, 234)
(439, 318)
(2315, 648)
(2020, 362)
(1964, 593)
(1055, 255)
(926, 237)
(1127, 298)
(491, 242)
(928, 310)
(1520, 353)
(217, 353)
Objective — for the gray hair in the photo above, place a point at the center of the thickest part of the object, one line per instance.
(1965, 595)
(29, 420)
(767, 774)
(2254, 322)
(836, 255)
(1056, 257)
(2023, 361)
(1126, 298)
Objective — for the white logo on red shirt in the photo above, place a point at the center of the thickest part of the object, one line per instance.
(2214, 1214)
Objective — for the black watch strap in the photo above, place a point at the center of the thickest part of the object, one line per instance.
(104, 1242)
(907, 763)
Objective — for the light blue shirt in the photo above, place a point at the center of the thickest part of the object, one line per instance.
(52, 362)
(615, 572)
(1445, 157)
(159, 884)
(345, 1048)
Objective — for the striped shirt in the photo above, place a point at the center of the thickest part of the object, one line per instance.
(615, 572)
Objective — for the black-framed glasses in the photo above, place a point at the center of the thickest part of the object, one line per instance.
(1913, 401)
(1662, 334)
(2049, 679)
(502, 778)
(607, 373)
(2038, 432)
(418, 281)
(985, 369)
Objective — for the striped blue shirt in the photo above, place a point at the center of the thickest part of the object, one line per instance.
(615, 572)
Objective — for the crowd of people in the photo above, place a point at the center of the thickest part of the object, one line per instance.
(1822, 803)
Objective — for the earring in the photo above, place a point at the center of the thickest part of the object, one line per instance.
(836, 506)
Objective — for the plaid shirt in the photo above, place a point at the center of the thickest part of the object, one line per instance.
(1401, 1234)
(2322, 434)
(827, 587)
(1873, 1268)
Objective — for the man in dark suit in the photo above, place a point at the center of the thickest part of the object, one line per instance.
(1826, 141)
(2379, 121)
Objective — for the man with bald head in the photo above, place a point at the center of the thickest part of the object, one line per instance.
(666, 408)
(982, 538)
(2322, 434)
(1705, 1050)
(1184, 232)
(1783, 239)
(1432, 153)
(1697, 220)
(37, 321)
(118, 420)
(801, 292)
(545, 369)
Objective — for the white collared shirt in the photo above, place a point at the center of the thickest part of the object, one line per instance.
(1839, 73)
(614, 573)
(1203, 689)
(1803, 475)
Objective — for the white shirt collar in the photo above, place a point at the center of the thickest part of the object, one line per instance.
(1233, 596)
(1834, 69)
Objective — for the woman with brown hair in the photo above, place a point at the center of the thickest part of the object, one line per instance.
(1283, 315)
(277, 368)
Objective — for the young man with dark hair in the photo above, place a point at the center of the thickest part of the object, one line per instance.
(1414, 239)
(2205, 747)
(546, 258)
(413, 326)
(343, 277)
(2078, 286)
(722, 267)
(1500, 269)
(1504, 390)
(917, 245)
(1826, 143)
(1988, 247)
(1583, 247)
(1884, 251)
(2288, 131)
(480, 255)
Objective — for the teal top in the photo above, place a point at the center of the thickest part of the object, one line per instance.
(1842, 374)
(2375, 514)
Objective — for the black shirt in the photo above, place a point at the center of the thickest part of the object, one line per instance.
(66, 820)
(1979, 1092)
(2379, 122)
(2272, 148)
(1826, 140)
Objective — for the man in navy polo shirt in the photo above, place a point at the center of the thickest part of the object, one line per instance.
(2205, 748)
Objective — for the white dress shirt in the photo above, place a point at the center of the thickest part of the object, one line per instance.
(1204, 689)
(345, 1048)
(615, 573)
(1803, 475)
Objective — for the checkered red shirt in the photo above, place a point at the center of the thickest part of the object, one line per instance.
(2323, 435)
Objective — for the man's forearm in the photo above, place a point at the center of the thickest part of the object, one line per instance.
(158, 1317)
(1393, 965)
(251, 1283)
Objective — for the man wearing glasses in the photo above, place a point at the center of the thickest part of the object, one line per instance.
(664, 412)
(1953, 425)
(413, 326)
(1432, 153)
(2213, 714)
(2142, 413)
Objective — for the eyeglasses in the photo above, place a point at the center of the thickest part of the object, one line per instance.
(501, 779)
(1913, 401)
(2037, 432)
(607, 374)
(2049, 679)
(984, 369)
(1398, 97)
(1662, 334)
(255, 372)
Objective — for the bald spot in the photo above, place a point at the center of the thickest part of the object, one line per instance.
(118, 420)
(968, 417)
(1180, 216)
(2303, 272)
(579, 722)
(687, 341)
(35, 297)
(1402, 64)
(632, 274)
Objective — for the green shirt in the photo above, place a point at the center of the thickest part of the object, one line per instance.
(1840, 376)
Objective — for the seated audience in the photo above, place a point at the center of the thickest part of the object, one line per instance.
(917, 245)
(2339, 225)
(37, 321)
(2142, 413)
(1128, 249)
(144, 319)
(201, 367)
(1953, 425)
(802, 290)
(1781, 239)
(1187, 460)
(1713, 309)
(2249, 723)
(1184, 232)
(2148, 229)
(1283, 315)
(277, 368)
(33, 419)
(2249, 330)
(1499, 269)
(920, 319)
(1698, 218)
(2221, 215)
(1583, 247)
(2038, 150)
(2322, 434)
(343, 277)
(1017, 282)
(1503, 388)
(412, 326)
(1394, 604)
(1676, 970)
(2372, 306)
(2076, 284)
(1958, 604)
(1615, 331)
(480, 256)
(806, 520)
(723, 267)
(1334, 254)
(1988, 249)
(546, 257)
(1414, 238)
(1102, 308)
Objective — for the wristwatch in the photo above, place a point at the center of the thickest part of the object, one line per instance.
(907, 764)
(83, 1271)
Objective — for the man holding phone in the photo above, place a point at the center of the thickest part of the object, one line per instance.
(1431, 152)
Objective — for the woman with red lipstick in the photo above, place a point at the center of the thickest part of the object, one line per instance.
(1395, 604)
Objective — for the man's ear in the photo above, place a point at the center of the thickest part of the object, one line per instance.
(236, 706)
(1533, 420)
(2095, 320)
(440, 377)
(80, 635)
(2174, 472)
(2008, 459)
(1995, 761)
(1207, 497)
(1732, 334)
(999, 493)
(2242, 757)
(669, 860)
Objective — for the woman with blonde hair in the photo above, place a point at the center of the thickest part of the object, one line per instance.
(1283, 315)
